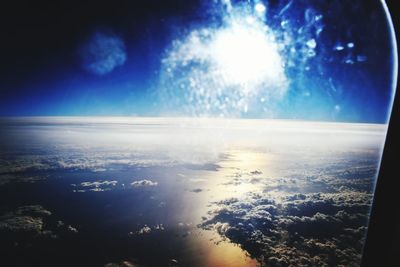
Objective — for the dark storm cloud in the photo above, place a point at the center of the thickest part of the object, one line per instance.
(323, 229)
(102, 53)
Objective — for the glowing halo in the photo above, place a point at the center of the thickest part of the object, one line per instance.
(247, 56)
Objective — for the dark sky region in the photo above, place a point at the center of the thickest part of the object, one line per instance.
(41, 71)
(110, 58)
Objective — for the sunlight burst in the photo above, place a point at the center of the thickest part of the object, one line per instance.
(246, 55)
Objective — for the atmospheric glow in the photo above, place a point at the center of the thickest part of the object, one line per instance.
(245, 55)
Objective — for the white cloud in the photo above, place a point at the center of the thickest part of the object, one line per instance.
(147, 229)
(141, 183)
(98, 183)
(97, 186)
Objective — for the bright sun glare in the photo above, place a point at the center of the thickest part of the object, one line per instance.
(229, 68)
(247, 55)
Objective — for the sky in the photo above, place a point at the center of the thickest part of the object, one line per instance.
(310, 60)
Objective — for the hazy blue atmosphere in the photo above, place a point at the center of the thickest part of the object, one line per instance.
(298, 59)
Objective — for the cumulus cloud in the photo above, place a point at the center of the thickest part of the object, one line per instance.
(147, 229)
(72, 229)
(144, 230)
(97, 186)
(102, 53)
(141, 183)
(98, 183)
(29, 224)
(316, 229)
(21, 224)
(27, 219)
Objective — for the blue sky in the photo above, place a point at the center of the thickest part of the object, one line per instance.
(315, 61)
